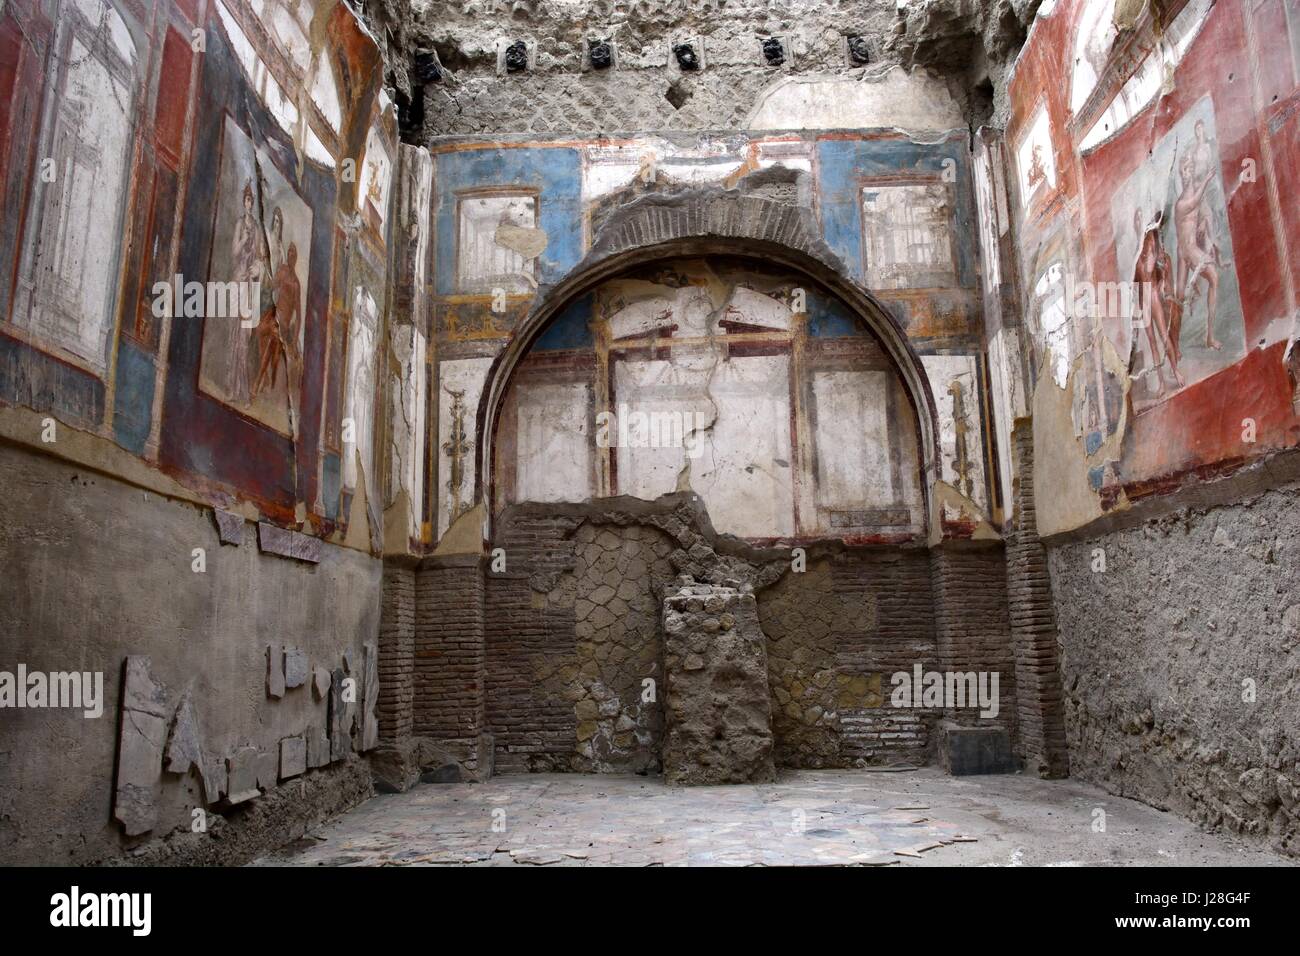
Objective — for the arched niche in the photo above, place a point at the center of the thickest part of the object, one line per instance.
(770, 236)
(743, 382)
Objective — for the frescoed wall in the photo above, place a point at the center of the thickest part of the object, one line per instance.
(514, 218)
(763, 396)
(1157, 155)
(194, 305)
(208, 306)
(1157, 244)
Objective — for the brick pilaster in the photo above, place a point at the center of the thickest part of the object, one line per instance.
(449, 654)
(972, 630)
(397, 653)
(1040, 712)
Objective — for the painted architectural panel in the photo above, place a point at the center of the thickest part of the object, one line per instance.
(359, 389)
(488, 256)
(908, 236)
(172, 245)
(725, 378)
(68, 272)
(853, 467)
(553, 456)
(958, 392)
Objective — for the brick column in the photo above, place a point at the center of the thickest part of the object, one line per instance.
(449, 658)
(397, 652)
(972, 632)
(1040, 713)
(392, 763)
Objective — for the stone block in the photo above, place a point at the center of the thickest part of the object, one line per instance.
(321, 682)
(318, 748)
(288, 544)
(295, 667)
(369, 715)
(274, 671)
(230, 527)
(966, 751)
(293, 757)
(242, 769)
(340, 718)
(185, 750)
(268, 768)
(140, 748)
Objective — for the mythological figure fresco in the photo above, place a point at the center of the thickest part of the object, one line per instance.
(1172, 212)
(1036, 159)
(1172, 240)
(262, 236)
(359, 392)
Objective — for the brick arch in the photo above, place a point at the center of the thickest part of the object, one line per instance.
(700, 223)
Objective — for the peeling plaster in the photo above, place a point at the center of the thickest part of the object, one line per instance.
(465, 536)
(954, 516)
(1065, 498)
(528, 242)
(359, 533)
(397, 519)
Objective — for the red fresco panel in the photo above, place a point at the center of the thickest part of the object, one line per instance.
(173, 96)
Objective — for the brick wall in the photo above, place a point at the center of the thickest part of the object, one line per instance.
(571, 631)
(836, 632)
(1039, 711)
(528, 647)
(397, 653)
(449, 654)
(885, 737)
(972, 630)
(547, 657)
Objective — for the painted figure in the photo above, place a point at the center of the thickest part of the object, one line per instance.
(277, 239)
(246, 248)
(1037, 173)
(1204, 158)
(277, 333)
(1197, 253)
(961, 463)
(1159, 309)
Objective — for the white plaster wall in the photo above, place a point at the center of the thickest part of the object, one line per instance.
(1008, 403)
(666, 391)
(852, 441)
(741, 464)
(891, 98)
(744, 472)
(553, 459)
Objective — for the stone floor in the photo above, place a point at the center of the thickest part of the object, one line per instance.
(907, 818)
